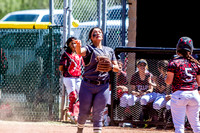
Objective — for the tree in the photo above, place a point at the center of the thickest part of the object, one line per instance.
(7, 6)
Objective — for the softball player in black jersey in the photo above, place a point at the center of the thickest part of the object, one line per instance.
(184, 75)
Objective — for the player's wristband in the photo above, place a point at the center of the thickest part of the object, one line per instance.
(198, 88)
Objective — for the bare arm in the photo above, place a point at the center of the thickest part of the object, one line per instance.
(115, 66)
(133, 87)
(151, 85)
(168, 89)
(198, 82)
(79, 50)
(61, 68)
(150, 90)
(134, 92)
(170, 77)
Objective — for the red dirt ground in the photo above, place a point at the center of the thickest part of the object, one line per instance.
(59, 127)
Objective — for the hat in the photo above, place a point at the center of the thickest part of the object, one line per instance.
(185, 43)
(142, 61)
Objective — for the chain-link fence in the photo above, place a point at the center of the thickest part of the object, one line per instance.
(88, 17)
(139, 93)
(90, 13)
(30, 82)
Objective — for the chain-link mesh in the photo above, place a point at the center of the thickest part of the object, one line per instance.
(133, 100)
(29, 85)
(114, 23)
(58, 5)
(87, 13)
(30, 80)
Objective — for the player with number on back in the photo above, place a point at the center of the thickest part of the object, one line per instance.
(184, 75)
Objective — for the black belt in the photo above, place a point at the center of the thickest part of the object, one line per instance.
(96, 82)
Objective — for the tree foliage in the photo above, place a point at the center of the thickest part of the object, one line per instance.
(7, 6)
(84, 10)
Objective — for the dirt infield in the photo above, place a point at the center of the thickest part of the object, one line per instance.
(59, 127)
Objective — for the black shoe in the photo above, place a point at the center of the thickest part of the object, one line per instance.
(80, 130)
(159, 127)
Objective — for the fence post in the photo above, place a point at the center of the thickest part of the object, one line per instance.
(131, 37)
(64, 22)
(69, 17)
(104, 21)
(132, 23)
(99, 13)
(123, 22)
(51, 10)
(64, 40)
(52, 72)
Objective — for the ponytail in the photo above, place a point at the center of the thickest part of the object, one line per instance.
(192, 59)
(188, 56)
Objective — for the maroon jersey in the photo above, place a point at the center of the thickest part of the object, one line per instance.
(161, 82)
(121, 79)
(72, 64)
(142, 85)
(185, 73)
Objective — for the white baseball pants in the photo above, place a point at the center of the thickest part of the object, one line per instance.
(72, 84)
(185, 102)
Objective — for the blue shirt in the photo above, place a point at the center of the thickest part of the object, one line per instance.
(91, 63)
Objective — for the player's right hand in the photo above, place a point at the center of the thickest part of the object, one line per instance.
(135, 93)
(78, 43)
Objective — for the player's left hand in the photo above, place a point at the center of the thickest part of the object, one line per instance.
(167, 97)
(123, 88)
(104, 64)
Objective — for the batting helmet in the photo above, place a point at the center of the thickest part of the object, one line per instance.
(185, 43)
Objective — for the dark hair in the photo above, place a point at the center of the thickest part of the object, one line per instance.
(90, 33)
(187, 55)
(163, 64)
(68, 49)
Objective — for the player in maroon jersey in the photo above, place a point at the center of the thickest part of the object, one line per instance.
(184, 75)
(142, 85)
(142, 89)
(163, 90)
